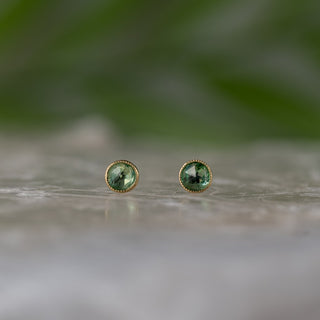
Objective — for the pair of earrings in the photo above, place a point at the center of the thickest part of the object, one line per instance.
(122, 176)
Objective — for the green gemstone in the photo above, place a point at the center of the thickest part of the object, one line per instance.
(196, 176)
(121, 176)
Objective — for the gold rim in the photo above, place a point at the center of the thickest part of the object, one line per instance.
(131, 165)
(210, 172)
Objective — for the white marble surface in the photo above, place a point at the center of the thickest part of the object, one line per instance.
(70, 249)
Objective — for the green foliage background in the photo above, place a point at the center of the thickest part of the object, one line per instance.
(200, 69)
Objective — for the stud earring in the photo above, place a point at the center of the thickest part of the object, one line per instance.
(195, 176)
(122, 176)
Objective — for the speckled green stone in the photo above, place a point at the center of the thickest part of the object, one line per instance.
(195, 176)
(121, 177)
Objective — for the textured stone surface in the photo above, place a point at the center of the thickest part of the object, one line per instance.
(196, 176)
(246, 249)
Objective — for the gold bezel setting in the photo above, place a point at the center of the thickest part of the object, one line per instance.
(210, 172)
(132, 166)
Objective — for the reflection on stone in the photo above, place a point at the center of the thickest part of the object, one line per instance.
(121, 211)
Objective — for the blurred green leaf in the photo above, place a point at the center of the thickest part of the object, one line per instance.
(199, 70)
